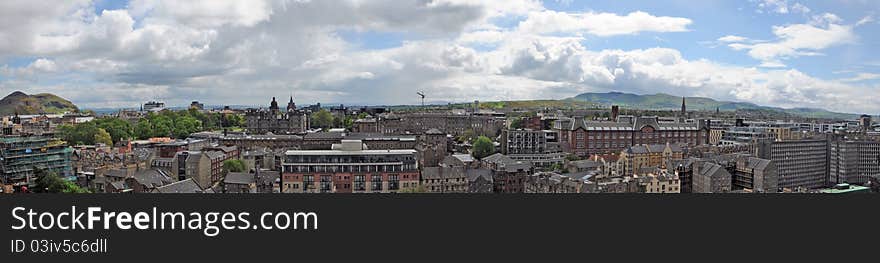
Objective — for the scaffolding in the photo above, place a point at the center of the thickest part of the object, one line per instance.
(19, 156)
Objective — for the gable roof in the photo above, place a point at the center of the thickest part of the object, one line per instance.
(152, 178)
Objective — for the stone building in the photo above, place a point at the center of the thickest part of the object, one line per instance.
(432, 147)
(276, 121)
(508, 175)
(709, 177)
(642, 159)
(449, 123)
(758, 175)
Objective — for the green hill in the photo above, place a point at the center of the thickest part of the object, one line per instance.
(662, 101)
(43, 103)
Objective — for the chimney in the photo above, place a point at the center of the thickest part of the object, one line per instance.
(615, 111)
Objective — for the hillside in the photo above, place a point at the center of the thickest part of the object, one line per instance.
(25, 104)
(669, 102)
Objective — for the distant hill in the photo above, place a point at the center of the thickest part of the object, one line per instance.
(662, 101)
(43, 103)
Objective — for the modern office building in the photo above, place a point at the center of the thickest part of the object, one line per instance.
(349, 167)
(540, 147)
(853, 161)
(799, 163)
(746, 135)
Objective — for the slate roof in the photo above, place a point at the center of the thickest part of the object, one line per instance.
(152, 178)
(181, 187)
(585, 164)
(712, 170)
(117, 173)
(625, 123)
(239, 178)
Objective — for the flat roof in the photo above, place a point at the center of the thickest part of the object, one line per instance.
(852, 188)
(355, 152)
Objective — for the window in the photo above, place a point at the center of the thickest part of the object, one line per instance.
(376, 184)
(308, 182)
(393, 182)
(325, 183)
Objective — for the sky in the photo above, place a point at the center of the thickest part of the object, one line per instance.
(104, 53)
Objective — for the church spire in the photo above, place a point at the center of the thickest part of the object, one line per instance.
(683, 107)
(683, 116)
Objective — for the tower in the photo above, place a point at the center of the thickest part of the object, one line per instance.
(683, 110)
(274, 105)
(290, 105)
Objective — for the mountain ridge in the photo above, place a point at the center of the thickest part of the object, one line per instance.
(663, 101)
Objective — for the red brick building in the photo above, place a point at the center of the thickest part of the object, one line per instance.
(584, 138)
(349, 167)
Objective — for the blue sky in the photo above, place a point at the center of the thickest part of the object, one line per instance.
(786, 53)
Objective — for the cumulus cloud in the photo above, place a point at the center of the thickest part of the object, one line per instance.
(226, 52)
(601, 24)
(822, 32)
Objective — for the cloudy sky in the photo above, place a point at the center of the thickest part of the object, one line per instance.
(103, 53)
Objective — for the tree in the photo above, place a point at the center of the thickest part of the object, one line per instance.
(119, 129)
(102, 136)
(516, 123)
(466, 136)
(186, 125)
(482, 147)
(49, 182)
(322, 119)
(234, 166)
(143, 129)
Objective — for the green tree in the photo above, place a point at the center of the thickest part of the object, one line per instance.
(102, 136)
(234, 166)
(143, 129)
(516, 123)
(322, 119)
(466, 136)
(482, 147)
(49, 182)
(234, 120)
(186, 125)
(119, 129)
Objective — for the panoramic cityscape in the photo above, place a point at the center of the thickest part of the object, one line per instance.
(565, 146)
(441, 96)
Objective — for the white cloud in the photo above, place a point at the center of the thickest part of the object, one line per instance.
(823, 31)
(601, 24)
(218, 53)
(862, 77)
(780, 6)
(732, 38)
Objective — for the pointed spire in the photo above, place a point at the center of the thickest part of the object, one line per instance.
(683, 107)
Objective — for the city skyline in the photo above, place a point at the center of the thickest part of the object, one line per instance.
(778, 53)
